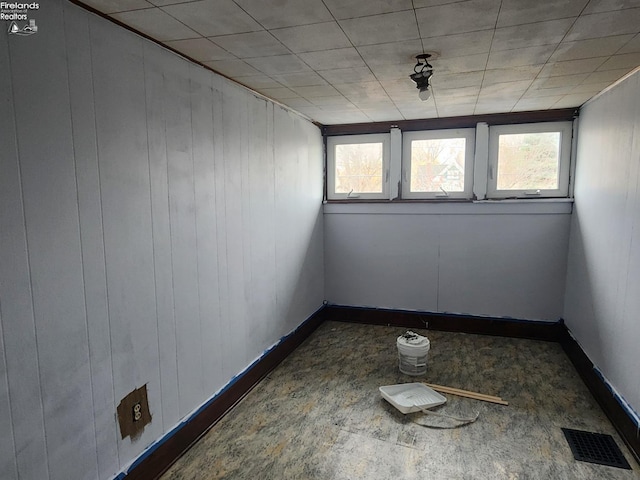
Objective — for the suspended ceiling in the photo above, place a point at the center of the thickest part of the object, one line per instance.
(348, 61)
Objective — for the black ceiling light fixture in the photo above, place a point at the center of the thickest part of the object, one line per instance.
(422, 72)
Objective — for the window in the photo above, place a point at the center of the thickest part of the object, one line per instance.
(438, 164)
(516, 161)
(358, 166)
(529, 160)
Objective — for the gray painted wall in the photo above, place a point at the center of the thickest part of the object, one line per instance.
(496, 259)
(602, 307)
(159, 225)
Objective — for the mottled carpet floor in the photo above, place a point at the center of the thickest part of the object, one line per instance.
(319, 415)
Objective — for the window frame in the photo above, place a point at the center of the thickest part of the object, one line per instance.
(565, 128)
(469, 134)
(332, 142)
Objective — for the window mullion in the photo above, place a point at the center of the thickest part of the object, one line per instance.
(395, 163)
(481, 162)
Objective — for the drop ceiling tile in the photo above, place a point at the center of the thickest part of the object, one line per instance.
(445, 101)
(332, 59)
(162, 3)
(252, 44)
(461, 17)
(311, 112)
(258, 82)
(309, 38)
(458, 80)
(499, 75)
(548, 92)
(279, 64)
(342, 117)
(424, 110)
(610, 76)
(383, 115)
(503, 90)
(348, 75)
(233, 68)
(564, 80)
(395, 53)
(391, 72)
(362, 91)
(627, 60)
(342, 9)
(595, 47)
(385, 28)
(280, 93)
(383, 104)
(431, 3)
(113, 6)
(457, 92)
(301, 79)
(456, 110)
(200, 49)
(213, 17)
(298, 102)
(520, 57)
(155, 23)
(285, 13)
(484, 107)
(470, 63)
(399, 86)
(314, 91)
(346, 107)
(325, 101)
(532, 34)
(592, 88)
(575, 100)
(605, 24)
(632, 46)
(570, 67)
(518, 12)
(597, 6)
(540, 103)
(460, 44)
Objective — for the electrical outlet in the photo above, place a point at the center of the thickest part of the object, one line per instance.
(137, 412)
(133, 413)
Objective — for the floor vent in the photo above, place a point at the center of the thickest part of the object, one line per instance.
(595, 448)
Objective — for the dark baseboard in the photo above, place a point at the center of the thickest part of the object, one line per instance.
(609, 403)
(547, 331)
(152, 465)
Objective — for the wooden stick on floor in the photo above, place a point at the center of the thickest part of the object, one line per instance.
(468, 394)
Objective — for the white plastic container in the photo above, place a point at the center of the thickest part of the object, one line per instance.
(413, 350)
(411, 397)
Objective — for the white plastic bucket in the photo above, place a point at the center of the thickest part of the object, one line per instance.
(412, 353)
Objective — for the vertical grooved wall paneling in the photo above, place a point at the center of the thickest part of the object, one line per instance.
(47, 167)
(158, 227)
(154, 59)
(126, 214)
(22, 449)
(603, 280)
(91, 236)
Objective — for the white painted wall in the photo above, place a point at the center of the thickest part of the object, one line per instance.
(602, 306)
(159, 225)
(497, 259)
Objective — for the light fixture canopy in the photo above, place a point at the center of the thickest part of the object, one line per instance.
(422, 72)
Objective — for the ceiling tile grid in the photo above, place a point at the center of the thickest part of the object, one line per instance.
(345, 62)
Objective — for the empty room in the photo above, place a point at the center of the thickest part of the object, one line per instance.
(319, 239)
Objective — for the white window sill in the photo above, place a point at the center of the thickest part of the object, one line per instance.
(539, 206)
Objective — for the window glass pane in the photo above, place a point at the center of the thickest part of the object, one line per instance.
(528, 161)
(358, 168)
(437, 165)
